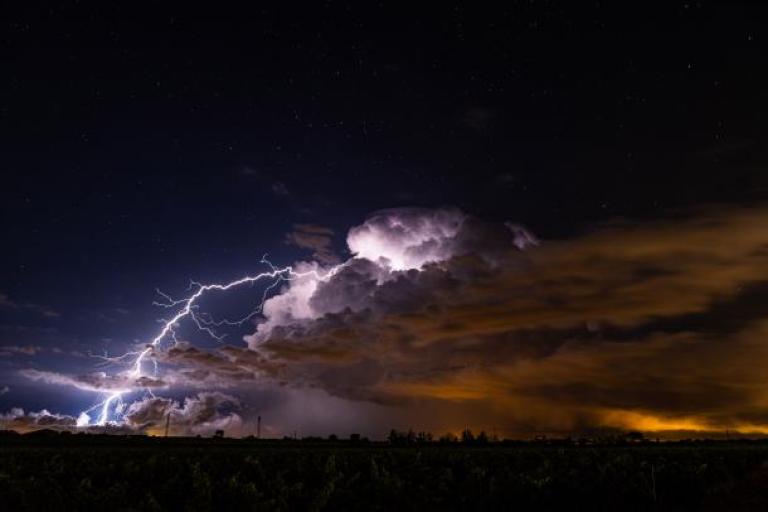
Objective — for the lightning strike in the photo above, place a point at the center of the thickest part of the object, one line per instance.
(395, 240)
(188, 308)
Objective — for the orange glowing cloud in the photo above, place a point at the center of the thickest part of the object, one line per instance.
(655, 327)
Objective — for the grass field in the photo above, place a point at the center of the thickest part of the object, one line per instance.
(114, 473)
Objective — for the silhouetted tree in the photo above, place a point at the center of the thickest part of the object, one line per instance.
(448, 438)
(424, 438)
(408, 438)
(396, 437)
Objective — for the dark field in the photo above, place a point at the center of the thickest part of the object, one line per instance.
(110, 473)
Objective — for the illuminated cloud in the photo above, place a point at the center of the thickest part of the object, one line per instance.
(389, 246)
(17, 419)
(96, 381)
(624, 326)
(404, 239)
(442, 320)
(20, 421)
(201, 414)
(196, 368)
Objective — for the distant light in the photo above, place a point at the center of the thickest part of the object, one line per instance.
(83, 420)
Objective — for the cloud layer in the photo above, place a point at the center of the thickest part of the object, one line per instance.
(633, 326)
(318, 239)
(201, 414)
(441, 320)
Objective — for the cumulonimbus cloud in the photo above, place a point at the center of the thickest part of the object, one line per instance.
(564, 334)
(653, 326)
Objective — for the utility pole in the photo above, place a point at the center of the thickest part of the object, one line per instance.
(167, 423)
(258, 428)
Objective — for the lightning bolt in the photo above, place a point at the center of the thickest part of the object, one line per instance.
(188, 308)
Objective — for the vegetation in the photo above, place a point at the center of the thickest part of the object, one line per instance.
(138, 473)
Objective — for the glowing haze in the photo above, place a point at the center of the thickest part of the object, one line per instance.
(440, 320)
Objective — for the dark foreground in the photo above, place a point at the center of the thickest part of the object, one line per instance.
(111, 473)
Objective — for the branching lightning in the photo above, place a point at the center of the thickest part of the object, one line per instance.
(188, 307)
(396, 240)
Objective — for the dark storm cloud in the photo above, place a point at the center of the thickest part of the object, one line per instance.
(199, 368)
(596, 330)
(654, 326)
(318, 239)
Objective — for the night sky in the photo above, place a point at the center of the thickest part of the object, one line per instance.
(143, 148)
